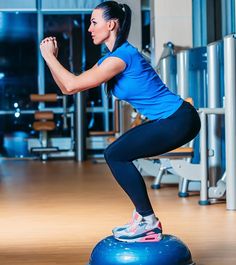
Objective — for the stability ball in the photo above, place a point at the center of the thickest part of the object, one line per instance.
(169, 251)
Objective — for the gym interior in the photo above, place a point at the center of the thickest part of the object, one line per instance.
(58, 198)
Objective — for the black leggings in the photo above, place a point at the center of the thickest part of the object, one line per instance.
(149, 139)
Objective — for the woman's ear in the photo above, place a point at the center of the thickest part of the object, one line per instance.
(112, 24)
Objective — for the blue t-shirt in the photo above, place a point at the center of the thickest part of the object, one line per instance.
(140, 85)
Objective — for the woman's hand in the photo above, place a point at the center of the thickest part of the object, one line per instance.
(48, 47)
(56, 47)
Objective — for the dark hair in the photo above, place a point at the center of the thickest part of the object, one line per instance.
(121, 12)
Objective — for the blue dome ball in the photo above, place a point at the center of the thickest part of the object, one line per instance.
(169, 251)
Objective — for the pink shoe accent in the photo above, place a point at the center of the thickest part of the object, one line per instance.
(151, 238)
(150, 233)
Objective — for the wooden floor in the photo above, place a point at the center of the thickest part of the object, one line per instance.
(54, 213)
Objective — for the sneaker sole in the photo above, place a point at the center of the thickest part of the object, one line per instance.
(148, 238)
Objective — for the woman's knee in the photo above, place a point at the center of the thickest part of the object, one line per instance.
(113, 153)
(108, 153)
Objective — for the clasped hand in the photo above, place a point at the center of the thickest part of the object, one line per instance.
(48, 47)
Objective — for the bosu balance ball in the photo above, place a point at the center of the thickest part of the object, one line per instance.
(169, 251)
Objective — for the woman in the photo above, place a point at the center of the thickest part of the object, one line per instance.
(172, 121)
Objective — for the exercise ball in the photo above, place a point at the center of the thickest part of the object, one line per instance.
(169, 251)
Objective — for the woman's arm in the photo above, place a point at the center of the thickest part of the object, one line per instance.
(70, 83)
(59, 84)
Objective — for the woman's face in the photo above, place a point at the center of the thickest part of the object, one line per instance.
(99, 28)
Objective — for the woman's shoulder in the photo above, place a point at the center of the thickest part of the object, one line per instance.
(127, 48)
(126, 51)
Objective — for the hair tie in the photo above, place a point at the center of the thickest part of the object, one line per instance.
(122, 7)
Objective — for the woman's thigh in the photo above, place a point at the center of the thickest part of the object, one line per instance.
(155, 137)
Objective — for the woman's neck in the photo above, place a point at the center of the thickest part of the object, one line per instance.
(110, 46)
(110, 42)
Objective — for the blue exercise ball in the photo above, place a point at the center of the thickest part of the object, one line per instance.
(169, 251)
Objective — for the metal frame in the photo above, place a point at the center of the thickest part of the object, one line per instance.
(199, 11)
(203, 112)
(215, 88)
(228, 17)
(191, 75)
(230, 118)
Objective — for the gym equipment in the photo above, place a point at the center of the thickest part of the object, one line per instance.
(215, 69)
(167, 66)
(44, 123)
(158, 165)
(219, 191)
(230, 124)
(169, 251)
(101, 139)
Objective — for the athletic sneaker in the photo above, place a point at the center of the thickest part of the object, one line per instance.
(135, 218)
(144, 229)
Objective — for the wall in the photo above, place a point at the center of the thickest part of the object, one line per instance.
(172, 20)
(135, 36)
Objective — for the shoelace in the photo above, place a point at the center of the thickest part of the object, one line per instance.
(134, 225)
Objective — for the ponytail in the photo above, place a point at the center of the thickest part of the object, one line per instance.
(124, 29)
